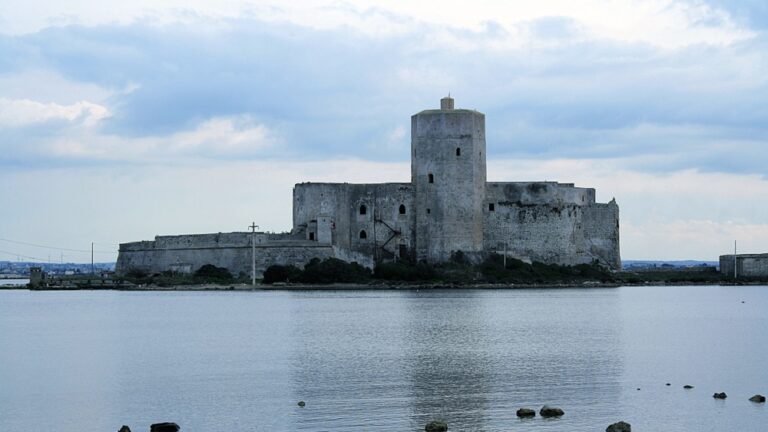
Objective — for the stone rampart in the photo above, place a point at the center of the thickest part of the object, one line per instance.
(549, 193)
(564, 234)
(187, 253)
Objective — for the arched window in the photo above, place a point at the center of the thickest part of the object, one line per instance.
(431, 178)
(458, 151)
(402, 208)
(363, 235)
(363, 209)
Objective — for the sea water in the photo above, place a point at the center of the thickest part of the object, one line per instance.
(384, 360)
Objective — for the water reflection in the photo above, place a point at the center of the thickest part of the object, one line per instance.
(397, 360)
(449, 359)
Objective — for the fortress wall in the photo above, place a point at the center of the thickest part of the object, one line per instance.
(538, 193)
(569, 234)
(601, 233)
(382, 202)
(542, 233)
(186, 253)
(342, 203)
(206, 240)
(313, 200)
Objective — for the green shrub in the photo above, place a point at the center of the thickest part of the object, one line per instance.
(332, 270)
(401, 271)
(209, 273)
(281, 273)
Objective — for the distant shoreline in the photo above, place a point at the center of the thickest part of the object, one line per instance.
(380, 286)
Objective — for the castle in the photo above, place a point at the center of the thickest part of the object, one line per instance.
(447, 207)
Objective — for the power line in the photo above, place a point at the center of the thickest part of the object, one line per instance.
(56, 248)
(23, 256)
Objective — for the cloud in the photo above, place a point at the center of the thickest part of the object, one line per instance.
(25, 112)
(339, 92)
(77, 137)
(753, 13)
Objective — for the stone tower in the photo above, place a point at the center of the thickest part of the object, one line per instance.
(448, 176)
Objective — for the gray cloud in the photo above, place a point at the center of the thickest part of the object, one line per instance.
(331, 93)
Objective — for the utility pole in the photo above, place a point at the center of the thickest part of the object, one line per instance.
(92, 270)
(253, 252)
(735, 261)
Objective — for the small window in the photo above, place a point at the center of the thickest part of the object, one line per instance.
(429, 211)
(491, 207)
(363, 209)
(311, 236)
(431, 178)
(363, 235)
(402, 209)
(458, 151)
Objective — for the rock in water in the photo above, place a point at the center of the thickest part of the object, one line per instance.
(436, 426)
(526, 412)
(619, 427)
(124, 429)
(164, 427)
(721, 395)
(301, 404)
(669, 384)
(757, 398)
(687, 387)
(548, 411)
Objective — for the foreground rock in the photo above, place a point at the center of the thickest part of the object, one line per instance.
(124, 429)
(721, 395)
(619, 427)
(757, 398)
(164, 427)
(436, 426)
(548, 411)
(526, 412)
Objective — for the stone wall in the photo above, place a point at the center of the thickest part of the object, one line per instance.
(564, 234)
(187, 253)
(601, 233)
(749, 265)
(364, 218)
(550, 193)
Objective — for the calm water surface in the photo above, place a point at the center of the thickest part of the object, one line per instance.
(384, 361)
(13, 282)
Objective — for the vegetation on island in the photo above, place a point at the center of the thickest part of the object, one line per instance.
(206, 274)
(459, 270)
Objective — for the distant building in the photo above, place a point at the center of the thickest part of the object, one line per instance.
(447, 207)
(37, 277)
(747, 265)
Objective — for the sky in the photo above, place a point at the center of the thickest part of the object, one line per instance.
(120, 121)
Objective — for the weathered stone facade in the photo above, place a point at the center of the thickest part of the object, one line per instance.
(447, 207)
(747, 265)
